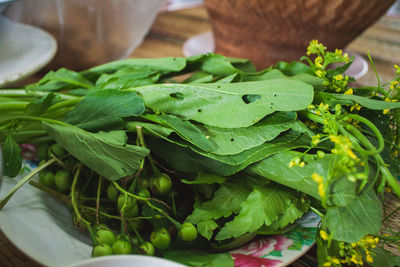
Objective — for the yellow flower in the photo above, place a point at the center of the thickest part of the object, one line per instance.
(397, 69)
(335, 260)
(385, 111)
(338, 52)
(369, 258)
(323, 235)
(327, 264)
(302, 164)
(349, 92)
(317, 178)
(355, 106)
(321, 190)
(320, 73)
(338, 77)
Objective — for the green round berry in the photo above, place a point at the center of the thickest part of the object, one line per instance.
(122, 247)
(131, 208)
(112, 193)
(147, 249)
(63, 180)
(188, 232)
(161, 185)
(46, 178)
(104, 236)
(102, 250)
(160, 239)
(57, 150)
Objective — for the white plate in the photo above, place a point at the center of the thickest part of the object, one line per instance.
(24, 50)
(127, 261)
(204, 43)
(42, 228)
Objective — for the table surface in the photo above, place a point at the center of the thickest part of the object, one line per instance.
(172, 29)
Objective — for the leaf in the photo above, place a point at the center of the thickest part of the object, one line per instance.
(206, 178)
(197, 258)
(127, 78)
(276, 168)
(203, 102)
(186, 160)
(293, 68)
(206, 228)
(363, 101)
(152, 128)
(100, 152)
(233, 78)
(262, 207)
(212, 63)
(184, 129)
(296, 210)
(199, 77)
(62, 77)
(40, 106)
(164, 65)
(230, 141)
(12, 159)
(226, 200)
(383, 257)
(103, 104)
(361, 217)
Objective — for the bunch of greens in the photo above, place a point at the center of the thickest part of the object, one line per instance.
(205, 152)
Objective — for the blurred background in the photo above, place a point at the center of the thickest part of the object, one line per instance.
(92, 32)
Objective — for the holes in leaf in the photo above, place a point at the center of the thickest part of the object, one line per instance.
(232, 139)
(199, 110)
(274, 95)
(250, 98)
(219, 86)
(178, 96)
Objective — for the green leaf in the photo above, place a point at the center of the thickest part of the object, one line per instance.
(196, 258)
(64, 76)
(40, 106)
(164, 65)
(349, 223)
(263, 206)
(206, 228)
(296, 210)
(230, 141)
(12, 159)
(199, 77)
(383, 257)
(184, 129)
(276, 168)
(363, 101)
(233, 78)
(103, 153)
(103, 104)
(206, 178)
(203, 102)
(293, 68)
(186, 160)
(227, 200)
(212, 63)
(127, 78)
(152, 128)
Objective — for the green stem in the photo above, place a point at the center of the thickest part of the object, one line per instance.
(24, 93)
(51, 192)
(30, 118)
(141, 142)
(177, 224)
(74, 203)
(13, 106)
(320, 214)
(66, 103)
(24, 180)
(375, 130)
(98, 199)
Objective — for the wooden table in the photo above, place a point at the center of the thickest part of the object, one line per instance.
(171, 30)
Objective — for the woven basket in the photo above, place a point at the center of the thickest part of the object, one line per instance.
(267, 31)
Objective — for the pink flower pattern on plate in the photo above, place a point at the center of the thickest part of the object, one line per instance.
(251, 255)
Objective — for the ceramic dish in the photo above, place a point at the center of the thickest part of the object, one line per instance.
(24, 50)
(42, 228)
(204, 43)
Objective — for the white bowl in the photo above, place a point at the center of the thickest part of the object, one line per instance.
(126, 261)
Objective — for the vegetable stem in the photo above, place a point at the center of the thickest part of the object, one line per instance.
(24, 180)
